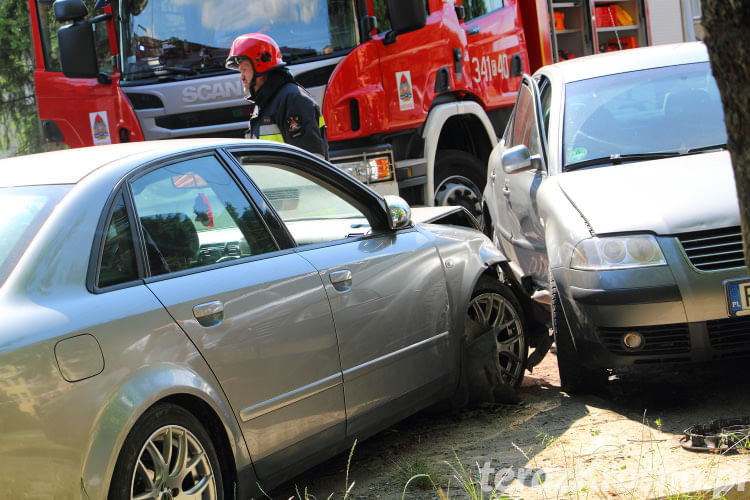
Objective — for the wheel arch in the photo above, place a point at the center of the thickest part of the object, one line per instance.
(146, 388)
(461, 125)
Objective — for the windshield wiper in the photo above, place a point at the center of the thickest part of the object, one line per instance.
(617, 159)
(180, 70)
(718, 147)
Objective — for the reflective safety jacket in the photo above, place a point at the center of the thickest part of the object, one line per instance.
(285, 112)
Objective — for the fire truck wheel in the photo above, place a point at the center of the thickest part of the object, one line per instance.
(459, 180)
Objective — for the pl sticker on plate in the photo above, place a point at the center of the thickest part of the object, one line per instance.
(738, 297)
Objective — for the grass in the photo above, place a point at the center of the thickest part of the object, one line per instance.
(417, 472)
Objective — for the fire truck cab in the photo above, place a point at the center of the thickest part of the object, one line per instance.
(414, 92)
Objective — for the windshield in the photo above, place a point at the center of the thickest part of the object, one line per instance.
(24, 211)
(168, 37)
(674, 110)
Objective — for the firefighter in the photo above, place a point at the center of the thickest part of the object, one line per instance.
(282, 110)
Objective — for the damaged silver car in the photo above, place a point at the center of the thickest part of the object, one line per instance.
(211, 316)
(613, 195)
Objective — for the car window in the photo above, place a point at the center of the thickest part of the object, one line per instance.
(668, 109)
(525, 130)
(312, 212)
(24, 211)
(193, 214)
(118, 264)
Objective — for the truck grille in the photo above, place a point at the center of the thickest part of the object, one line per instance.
(660, 339)
(714, 250)
(204, 118)
(730, 334)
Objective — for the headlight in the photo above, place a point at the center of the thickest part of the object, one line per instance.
(617, 252)
(369, 170)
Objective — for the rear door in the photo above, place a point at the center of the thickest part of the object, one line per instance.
(258, 315)
(386, 288)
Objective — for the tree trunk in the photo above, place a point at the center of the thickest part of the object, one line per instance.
(728, 41)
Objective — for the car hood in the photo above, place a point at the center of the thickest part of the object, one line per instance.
(668, 196)
(454, 215)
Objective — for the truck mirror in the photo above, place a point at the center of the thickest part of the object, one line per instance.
(406, 15)
(134, 7)
(366, 25)
(70, 10)
(77, 52)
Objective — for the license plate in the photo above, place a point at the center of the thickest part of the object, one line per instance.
(738, 296)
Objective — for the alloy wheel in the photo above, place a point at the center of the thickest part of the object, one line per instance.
(172, 464)
(492, 313)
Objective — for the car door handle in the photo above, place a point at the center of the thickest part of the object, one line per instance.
(209, 313)
(341, 280)
(492, 177)
(506, 190)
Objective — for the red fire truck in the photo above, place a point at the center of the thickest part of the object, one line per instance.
(414, 92)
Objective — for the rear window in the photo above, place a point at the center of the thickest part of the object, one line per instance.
(24, 211)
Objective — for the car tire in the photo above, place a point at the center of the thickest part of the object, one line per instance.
(148, 459)
(495, 347)
(459, 180)
(575, 378)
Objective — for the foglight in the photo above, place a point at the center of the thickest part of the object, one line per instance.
(633, 341)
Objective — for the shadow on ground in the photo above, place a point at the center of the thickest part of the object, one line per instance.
(623, 442)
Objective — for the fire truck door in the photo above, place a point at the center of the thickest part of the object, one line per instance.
(79, 111)
(497, 49)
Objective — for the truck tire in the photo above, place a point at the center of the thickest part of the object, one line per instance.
(574, 377)
(459, 180)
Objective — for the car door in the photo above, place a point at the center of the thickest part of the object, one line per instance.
(259, 315)
(522, 228)
(386, 288)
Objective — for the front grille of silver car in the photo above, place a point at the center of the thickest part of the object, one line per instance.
(714, 250)
(660, 340)
(729, 335)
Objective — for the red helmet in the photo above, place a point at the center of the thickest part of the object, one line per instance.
(261, 50)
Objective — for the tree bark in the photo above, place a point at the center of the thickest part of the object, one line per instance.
(727, 24)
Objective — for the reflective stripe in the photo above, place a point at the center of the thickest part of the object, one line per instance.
(274, 137)
(270, 133)
(321, 122)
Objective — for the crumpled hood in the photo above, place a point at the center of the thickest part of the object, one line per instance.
(668, 196)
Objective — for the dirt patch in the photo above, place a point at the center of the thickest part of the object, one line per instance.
(621, 444)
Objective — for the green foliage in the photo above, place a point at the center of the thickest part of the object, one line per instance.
(18, 112)
(418, 472)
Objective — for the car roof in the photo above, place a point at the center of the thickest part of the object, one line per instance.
(72, 165)
(623, 61)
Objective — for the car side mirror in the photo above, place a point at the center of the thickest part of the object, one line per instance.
(400, 211)
(518, 158)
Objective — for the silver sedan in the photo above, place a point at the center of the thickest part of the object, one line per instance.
(613, 195)
(208, 316)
